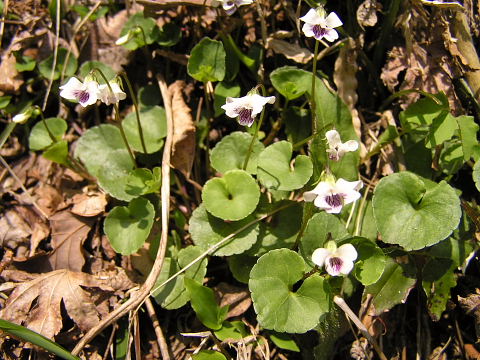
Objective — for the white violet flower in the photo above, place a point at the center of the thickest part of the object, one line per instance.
(331, 196)
(336, 149)
(336, 260)
(86, 93)
(320, 26)
(110, 97)
(21, 118)
(247, 107)
(230, 6)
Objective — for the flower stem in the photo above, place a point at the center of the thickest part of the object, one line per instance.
(313, 104)
(135, 106)
(117, 117)
(255, 135)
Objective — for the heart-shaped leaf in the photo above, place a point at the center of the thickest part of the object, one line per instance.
(174, 294)
(232, 197)
(147, 35)
(321, 228)
(275, 171)
(127, 228)
(279, 307)
(207, 230)
(207, 61)
(414, 212)
(144, 181)
(88, 66)
(230, 153)
(57, 152)
(45, 67)
(154, 126)
(291, 82)
(103, 152)
(40, 139)
(370, 262)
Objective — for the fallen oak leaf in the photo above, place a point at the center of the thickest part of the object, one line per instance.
(48, 291)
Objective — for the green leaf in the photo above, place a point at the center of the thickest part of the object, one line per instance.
(209, 355)
(414, 213)
(127, 228)
(122, 340)
(203, 302)
(438, 279)
(36, 339)
(207, 61)
(222, 91)
(476, 174)
(84, 10)
(280, 308)
(421, 114)
(370, 262)
(144, 181)
(45, 66)
(284, 341)
(291, 82)
(297, 123)
(240, 266)
(329, 330)
(174, 295)
(274, 169)
(40, 139)
(149, 33)
(391, 289)
(207, 230)
(154, 124)
(232, 197)
(25, 63)
(103, 152)
(451, 157)
(4, 101)
(149, 95)
(230, 153)
(468, 135)
(57, 152)
(281, 229)
(88, 66)
(321, 228)
(169, 35)
(235, 330)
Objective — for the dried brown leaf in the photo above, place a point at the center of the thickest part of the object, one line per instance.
(183, 148)
(37, 303)
(10, 79)
(14, 229)
(471, 306)
(237, 298)
(290, 51)
(90, 204)
(68, 234)
(367, 13)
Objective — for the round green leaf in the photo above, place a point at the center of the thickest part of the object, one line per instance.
(57, 152)
(149, 27)
(209, 355)
(143, 181)
(127, 228)
(40, 139)
(149, 95)
(240, 266)
(154, 126)
(207, 230)
(291, 82)
(88, 66)
(169, 35)
(370, 262)
(232, 197)
(321, 228)
(45, 67)
(275, 171)
(230, 153)
(207, 61)
(279, 307)
(174, 295)
(414, 213)
(103, 152)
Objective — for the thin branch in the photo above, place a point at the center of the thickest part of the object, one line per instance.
(158, 330)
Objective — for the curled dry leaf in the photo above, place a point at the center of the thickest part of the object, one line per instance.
(367, 13)
(47, 292)
(68, 234)
(90, 204)
(290, 51)
(14, 229)
(183, 147)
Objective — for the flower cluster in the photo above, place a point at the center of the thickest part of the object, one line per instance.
(319, 25)
(89, 91)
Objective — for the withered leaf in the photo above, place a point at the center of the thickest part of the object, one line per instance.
(183, 148)
(68, 234)
(47, 291)
(290, 51)
(91, 204)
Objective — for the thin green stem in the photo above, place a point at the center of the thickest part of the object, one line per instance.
(255, 135)
(117, 117)
(135, 106)
(307, 214)
(313, 104)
